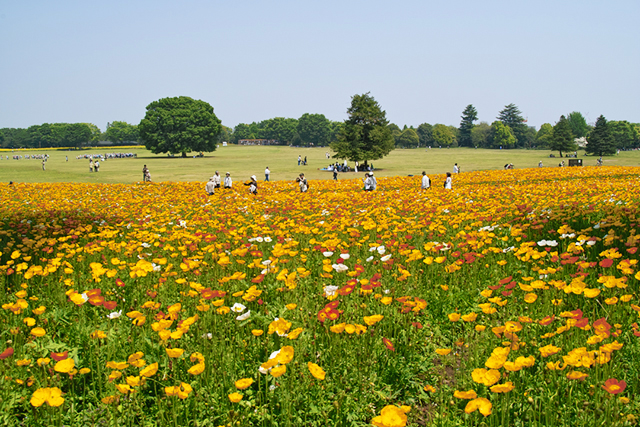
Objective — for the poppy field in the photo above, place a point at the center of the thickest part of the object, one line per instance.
(510, 300)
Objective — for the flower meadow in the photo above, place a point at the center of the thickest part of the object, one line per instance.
(510, 300)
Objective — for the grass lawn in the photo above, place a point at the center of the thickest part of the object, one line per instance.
(243, 161)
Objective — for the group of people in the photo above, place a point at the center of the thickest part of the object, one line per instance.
(216, 180)
(95, 166)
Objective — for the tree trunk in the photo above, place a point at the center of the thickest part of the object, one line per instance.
(184, 154)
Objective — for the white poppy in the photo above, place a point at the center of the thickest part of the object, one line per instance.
(238, 308)
(244, 316)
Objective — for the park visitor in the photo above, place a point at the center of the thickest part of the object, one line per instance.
(145, 172)
(267, 172)
(253, 185)
(369, 182)
(302, 182)
(90, 165)
(299, 160)
(426, 182)
(96, 166)
(43, 167)
(210, 187)
(456, 169)
(335, 174)
(447, 182)
(227, 180)
(216, 180)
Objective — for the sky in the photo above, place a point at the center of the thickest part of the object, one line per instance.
(423, 61)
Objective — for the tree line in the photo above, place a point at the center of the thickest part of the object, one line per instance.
(78, 135)
(181, 124)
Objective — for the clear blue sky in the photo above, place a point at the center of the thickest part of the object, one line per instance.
(423, 61)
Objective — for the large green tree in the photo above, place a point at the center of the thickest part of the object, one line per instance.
(562, 139)
(408, 139)
(469, 115)
(365, 135)
(502, 136)
(314, 129)
(443, 135)
(544, 136)
(119, 132)
(425, 132)
(179, 125)
(76, 135)
(511, 116)
(481, 135)
(279, 129)
(600, 141)
(578, 124)
(624, 134)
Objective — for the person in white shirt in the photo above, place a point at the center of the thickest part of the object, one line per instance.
(426, 182)
(369, 182)
(227, 181)
(456, 169)
(210, 187)
(302, 182)
(447, 182)
(267, 172)
(216, 180)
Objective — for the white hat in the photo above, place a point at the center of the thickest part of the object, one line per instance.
(228, 173)
(370, 173)
(253, 177)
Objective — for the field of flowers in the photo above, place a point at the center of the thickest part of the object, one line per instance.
(509, 300)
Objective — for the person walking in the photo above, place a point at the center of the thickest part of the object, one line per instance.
(302, 182)
(299, 159)
(90, 165)
(210, 187)
(43, 166)
(426, 182)
(448, 181)
(335, 173)
(216, 180)
(267, 172)
(456, 169)
(227, 181)
(96, 166)
(145, 172)
(253, 185)
(368, 182)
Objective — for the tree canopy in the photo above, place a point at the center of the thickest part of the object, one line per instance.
(578, 124)
(469, 115)
(314, 129)
(408, 138)
(502, 135)
(365, 135)
(625, 135)
(511, 116)
(119, 132)
(179, 125)
(562, 139)
(600, 141)
(443, 135)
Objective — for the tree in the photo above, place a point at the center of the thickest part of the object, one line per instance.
(511, 116)
(241, 131)
(76, 135)
(480, 135)
(119, 132)
(279, 129)
(443, 136)
(502, 136)
(562, 139)
(578, 125)
(600, 141)
(96, 134)
(179, 125)
(544, 136)
(469, 115)
(314, 129)
(336, 130)
(408, 139)
(625, 135)
(365, 135)
(425, 132)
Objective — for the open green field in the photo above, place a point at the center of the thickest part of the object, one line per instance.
(242, 162)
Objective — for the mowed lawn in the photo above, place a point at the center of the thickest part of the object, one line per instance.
(244, 161)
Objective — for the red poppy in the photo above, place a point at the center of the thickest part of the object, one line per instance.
(7, 353)
(110, 305)
(388, 344)
(546, 321)
(614, 386)
(59, 356)
(606, 263)
(505, 280)
(258, 279)
(632, 250)
(120, 283)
